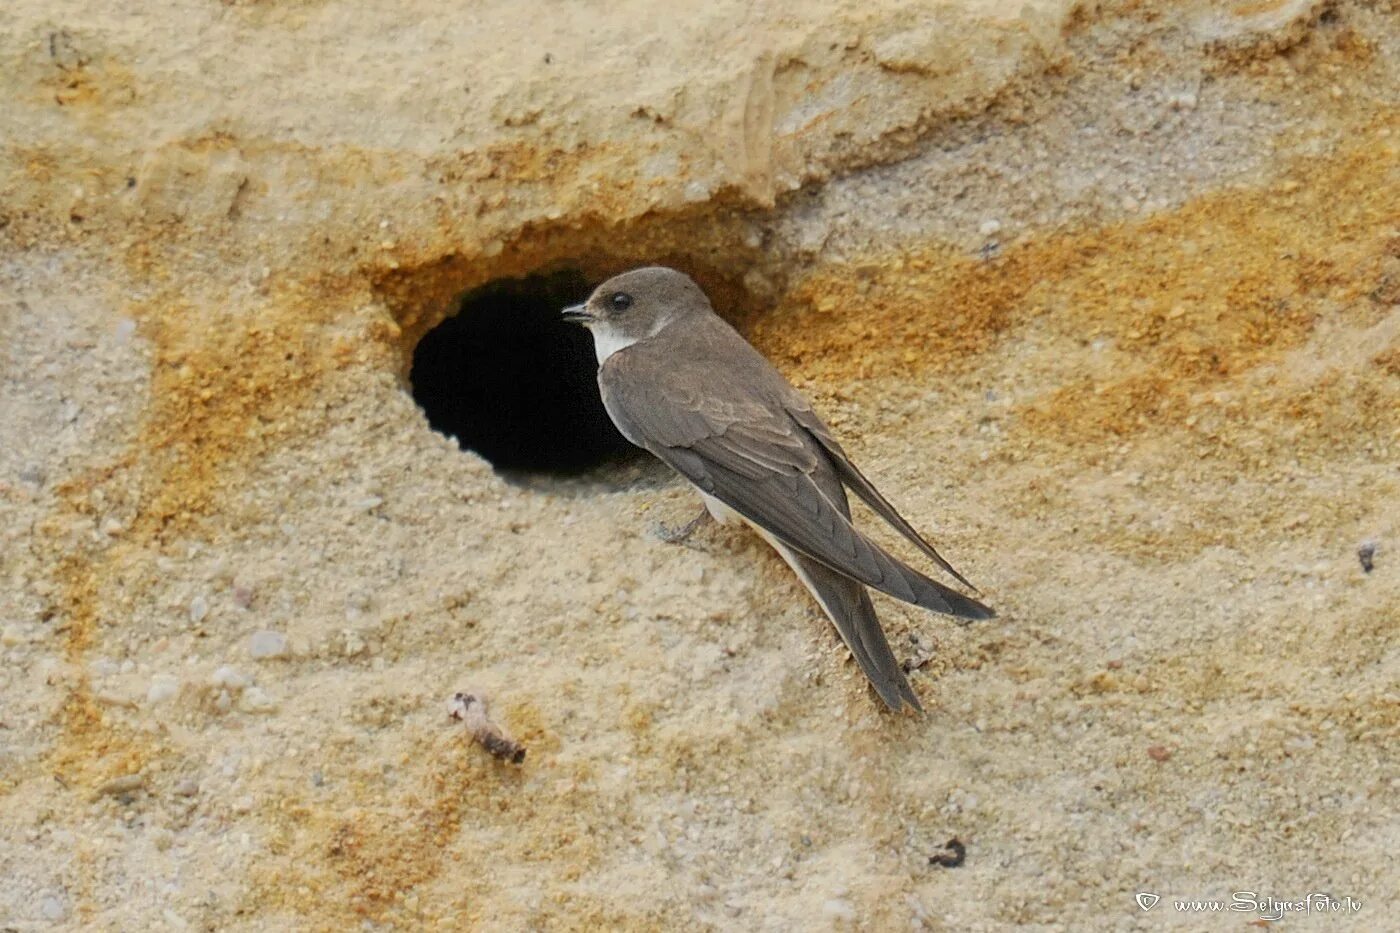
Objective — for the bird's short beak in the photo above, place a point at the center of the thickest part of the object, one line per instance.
(577, 314)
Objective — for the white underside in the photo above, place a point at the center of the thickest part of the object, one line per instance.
(725, 515)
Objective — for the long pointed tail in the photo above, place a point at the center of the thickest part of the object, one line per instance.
(848, 606)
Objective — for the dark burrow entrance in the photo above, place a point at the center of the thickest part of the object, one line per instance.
(511, 381)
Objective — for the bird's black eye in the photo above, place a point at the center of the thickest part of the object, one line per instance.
(620, 301)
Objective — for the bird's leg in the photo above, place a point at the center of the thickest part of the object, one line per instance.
(679, 535)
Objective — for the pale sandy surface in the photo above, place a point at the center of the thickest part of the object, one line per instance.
(1107, 298)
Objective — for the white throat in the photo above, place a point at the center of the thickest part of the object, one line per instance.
(608, 340)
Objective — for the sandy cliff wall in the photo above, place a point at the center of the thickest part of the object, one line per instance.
(1105, 296)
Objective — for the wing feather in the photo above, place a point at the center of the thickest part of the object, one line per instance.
(856, 481)
(815, 528)
(749, 453)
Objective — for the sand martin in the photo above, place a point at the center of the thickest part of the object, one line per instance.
(680, 382)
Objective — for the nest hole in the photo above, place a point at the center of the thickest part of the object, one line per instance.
(508, 379)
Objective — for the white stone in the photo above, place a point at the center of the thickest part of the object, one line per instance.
(838, 909)
(229, 678)
(266, 644)
(255, 700)
(53, 909)
(163, 687)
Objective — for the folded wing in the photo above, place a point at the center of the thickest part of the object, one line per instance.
(856, 481)
(754, 457)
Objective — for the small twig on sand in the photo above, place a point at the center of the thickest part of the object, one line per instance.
(954, 854)
(471, 710)
(682, 534)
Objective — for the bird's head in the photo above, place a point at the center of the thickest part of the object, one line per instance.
(637, 305)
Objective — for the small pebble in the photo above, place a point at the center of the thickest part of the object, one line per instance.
(199, 608)
(1184, 101)
(242, 596)
(1159, 753)
(838, 909)
(187, 787)
(989, 228)
(1366, 553)
(163, 687)
(354, 644)
(266, 644)
(11, 636)
(229, 678)
(54, 909)
(255, 700)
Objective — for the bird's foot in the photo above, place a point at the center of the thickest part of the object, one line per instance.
(680, 535)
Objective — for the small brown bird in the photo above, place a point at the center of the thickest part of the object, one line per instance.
(681, 383)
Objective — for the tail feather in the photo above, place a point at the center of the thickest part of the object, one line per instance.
(848, 606)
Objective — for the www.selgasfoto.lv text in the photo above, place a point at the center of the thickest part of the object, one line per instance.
(1269, 908)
